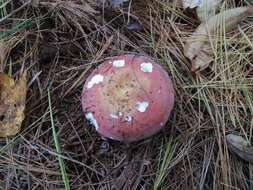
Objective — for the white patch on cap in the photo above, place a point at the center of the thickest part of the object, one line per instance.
(128, 118)
(120, 114)
(89, 116)
(96, 79)
(114, 116)
(142, 106)
(119, 63)
(147, 67)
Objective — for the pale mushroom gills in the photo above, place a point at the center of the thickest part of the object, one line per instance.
(128, 98)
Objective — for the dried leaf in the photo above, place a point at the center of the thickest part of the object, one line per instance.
(198, 46)
(12, 104)
(117, 3)
(240, 147)
(191, 3)
(207, 9)
(111, 3)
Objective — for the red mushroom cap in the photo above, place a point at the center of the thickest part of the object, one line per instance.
(128, 98)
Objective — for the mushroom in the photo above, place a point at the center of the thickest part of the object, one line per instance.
(128, 98)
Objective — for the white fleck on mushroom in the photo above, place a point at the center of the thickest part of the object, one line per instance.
(147, 67)
(128, 118)
(114, 116)
(119, 63)
(96, 79)
(89, 116)
(142, 106)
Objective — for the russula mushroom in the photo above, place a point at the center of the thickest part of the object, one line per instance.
(128, 98)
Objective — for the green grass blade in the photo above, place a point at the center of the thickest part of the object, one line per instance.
(20, 26)
(165, 159)
(57, 147)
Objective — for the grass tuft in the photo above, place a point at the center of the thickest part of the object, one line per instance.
(167, 153)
